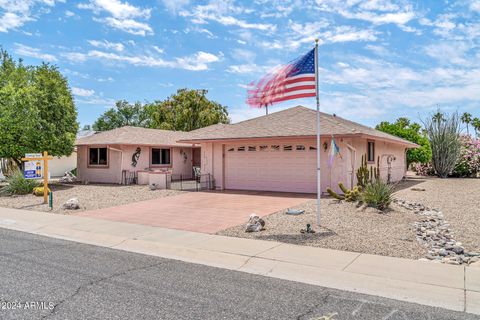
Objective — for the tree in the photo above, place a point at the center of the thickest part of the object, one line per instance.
(187, 110)
(404, 129)
(37, 111)
(124, 114)
(476, 126)
(467, 119)
(444, 137)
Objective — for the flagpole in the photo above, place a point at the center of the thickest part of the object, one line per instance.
(319, 182)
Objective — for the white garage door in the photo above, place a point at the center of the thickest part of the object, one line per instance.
(273, 167)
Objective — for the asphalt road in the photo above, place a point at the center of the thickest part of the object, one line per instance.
(45, 278)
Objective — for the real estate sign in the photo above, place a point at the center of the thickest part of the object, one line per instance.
(33, 169)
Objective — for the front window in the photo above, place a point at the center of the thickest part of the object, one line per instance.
(371, 151)
(160, 156)
(98, 157)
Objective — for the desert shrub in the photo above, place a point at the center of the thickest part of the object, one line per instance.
(443, 132)
(377, 194)
(17, 184)
(468, 164)
(424, 169)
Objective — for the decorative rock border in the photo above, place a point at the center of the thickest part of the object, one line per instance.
(435, 233)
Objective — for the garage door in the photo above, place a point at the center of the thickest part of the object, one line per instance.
(271, 167)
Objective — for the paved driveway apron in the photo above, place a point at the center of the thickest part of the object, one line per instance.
(207, 212)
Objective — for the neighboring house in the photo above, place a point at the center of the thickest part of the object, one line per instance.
(277, 152)
(59, 165)
(111, 156)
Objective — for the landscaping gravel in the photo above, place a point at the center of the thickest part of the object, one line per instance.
(91, 196)
(343, 228)
(458, 199)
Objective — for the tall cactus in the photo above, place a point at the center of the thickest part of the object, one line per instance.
(366, 175)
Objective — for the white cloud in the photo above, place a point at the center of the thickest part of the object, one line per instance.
(123, 15)
(74, 56)
(82, 92)
(196, 62)
(26, 51)
(175, 5)
(223, 12)
(475, 5)
(118, 9)
(107, 45)
(17, 12)
(128, 25)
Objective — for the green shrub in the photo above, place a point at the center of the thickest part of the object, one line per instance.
(377, 194)
(17, 184)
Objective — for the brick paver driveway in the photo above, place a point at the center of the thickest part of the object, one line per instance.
(207, 212)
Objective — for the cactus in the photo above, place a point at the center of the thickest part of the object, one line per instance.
(366, 175)
(349, 195)
(342, 187)
(335, 195)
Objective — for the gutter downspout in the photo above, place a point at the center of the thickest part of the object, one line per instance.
(354, 158)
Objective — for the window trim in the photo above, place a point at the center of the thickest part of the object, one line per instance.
(368, 151)
(151, 165)
(98, 166)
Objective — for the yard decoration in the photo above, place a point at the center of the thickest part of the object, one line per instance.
(254, 224)
(308, 230)
(295, 212)
(38, 191)
(136, 156)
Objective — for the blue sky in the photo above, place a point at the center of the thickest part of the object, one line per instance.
(379, 59)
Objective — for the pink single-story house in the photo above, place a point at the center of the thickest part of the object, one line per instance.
(126, 152)
(275, 152)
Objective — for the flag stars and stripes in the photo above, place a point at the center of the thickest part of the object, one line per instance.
(293, 81)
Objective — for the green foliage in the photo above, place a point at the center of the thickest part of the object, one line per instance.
(476, 126)
(17, 184)
(443, 132)
(365, 175)
(377, 194)
(187, 110)
(37, 112)
(184, 111)
(124, 114)
(407, 130)
(467, 119)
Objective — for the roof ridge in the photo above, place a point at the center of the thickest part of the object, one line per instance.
(271, 114)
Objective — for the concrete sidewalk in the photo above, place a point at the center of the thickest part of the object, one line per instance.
(446, 286)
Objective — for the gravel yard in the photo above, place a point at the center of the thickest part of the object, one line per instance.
(91, 196)
(390, 234)
(343, 228)
(458, 199)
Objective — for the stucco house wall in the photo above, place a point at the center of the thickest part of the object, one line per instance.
(120, 158)
(110, 174)
(343, 168)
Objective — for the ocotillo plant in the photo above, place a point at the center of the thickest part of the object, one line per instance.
(444, 136)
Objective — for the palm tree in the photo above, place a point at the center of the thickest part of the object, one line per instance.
(476, 126)
(467, 119)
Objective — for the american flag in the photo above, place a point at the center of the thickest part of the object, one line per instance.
(293, 81)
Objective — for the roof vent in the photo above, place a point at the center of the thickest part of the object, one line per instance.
(334, 115)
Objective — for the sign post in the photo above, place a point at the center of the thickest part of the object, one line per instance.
(33, 169)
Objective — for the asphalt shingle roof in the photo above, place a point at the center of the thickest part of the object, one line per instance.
(294, 122)
(135, 136)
